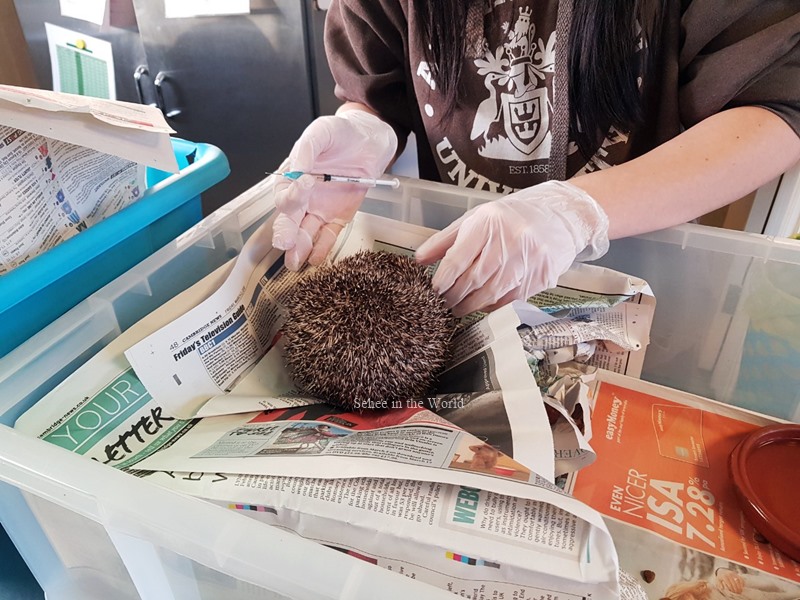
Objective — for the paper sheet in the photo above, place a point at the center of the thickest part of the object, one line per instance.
(81, 64)
(93, 11)
(133, 131)
(176, 9)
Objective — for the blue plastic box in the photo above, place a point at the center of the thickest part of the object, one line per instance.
(44, 288)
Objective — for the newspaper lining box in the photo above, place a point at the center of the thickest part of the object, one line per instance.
(39, 291)
(86, 529)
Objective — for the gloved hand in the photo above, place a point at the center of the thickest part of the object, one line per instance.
(312, 213)
(515, 247)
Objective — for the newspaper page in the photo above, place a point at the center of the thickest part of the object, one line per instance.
(662, 466)
(488, 390)
(669, 570)
(595, 315)
(51, 190)
(474, 543)
(568, 405)
(208, 349)
(321, 440)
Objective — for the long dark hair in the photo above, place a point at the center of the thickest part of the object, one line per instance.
(604, 62)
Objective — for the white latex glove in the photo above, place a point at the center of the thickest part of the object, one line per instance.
(312, 213)
(515, 247)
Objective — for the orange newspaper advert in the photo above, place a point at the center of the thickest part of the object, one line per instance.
(662, 465)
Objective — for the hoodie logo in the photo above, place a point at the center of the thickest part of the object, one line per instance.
(514, 120)
(526, 121)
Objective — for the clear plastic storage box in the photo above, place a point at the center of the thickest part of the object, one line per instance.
(726, 327)
(44, 288)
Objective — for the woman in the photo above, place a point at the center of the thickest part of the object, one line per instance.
(655, 111)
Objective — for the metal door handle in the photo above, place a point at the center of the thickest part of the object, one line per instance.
(157, 83)
(137, 78)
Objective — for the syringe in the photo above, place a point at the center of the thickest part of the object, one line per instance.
(293, 175)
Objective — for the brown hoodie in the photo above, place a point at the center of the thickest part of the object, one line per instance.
(713, 55)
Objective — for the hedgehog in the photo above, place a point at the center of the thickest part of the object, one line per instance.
(367, 332)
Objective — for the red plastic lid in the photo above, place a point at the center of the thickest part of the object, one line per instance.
(765, 467)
